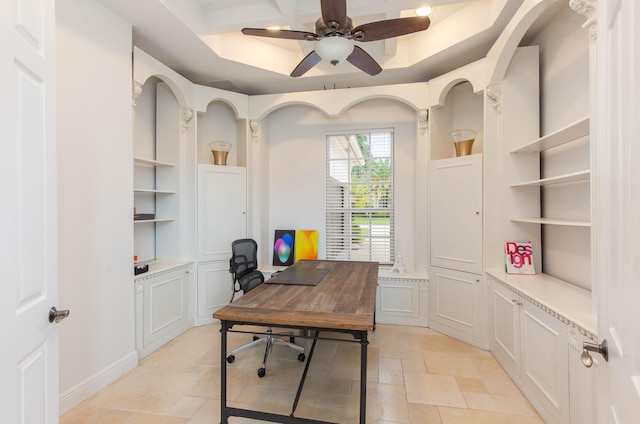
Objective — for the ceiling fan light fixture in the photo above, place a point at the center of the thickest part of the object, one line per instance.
(425, 11)
(334, 49)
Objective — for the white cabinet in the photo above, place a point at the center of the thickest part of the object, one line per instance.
(222, 199)
(456, 213)
(456, 305)
(222, 205)
(544, 365)
(504, 327)
(456, 187)
(163, 305)
(532, 347)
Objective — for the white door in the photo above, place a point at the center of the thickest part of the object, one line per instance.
(617, 208)
(28, 240)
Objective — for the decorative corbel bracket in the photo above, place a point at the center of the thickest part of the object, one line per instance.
(423, 120)
(185, 118)
(136, 92)
(255, 130)
(588, 8)
(494, 92)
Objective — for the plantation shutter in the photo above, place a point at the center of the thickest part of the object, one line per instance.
(359, 197)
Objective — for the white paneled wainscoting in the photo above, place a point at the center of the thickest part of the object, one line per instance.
(402, 299)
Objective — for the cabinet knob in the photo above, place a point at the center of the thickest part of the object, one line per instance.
(477, 212)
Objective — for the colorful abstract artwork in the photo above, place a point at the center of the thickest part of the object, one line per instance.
(283, 247)
(306, 244)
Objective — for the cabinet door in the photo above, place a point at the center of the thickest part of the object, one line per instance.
(545, 369)
(456, 304)
(214, 289)
(222, 200)
(163, 309)
(582, 382)
(504, 324)
(456, 213)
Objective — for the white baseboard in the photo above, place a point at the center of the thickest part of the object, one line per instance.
(93, 385)
(204, 321)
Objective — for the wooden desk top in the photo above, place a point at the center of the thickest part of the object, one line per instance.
(345, 299)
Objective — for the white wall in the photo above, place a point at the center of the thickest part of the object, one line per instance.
(294, 138)
(564, 86)
(95, 168)
(564, 70)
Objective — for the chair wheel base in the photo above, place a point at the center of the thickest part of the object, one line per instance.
(261, 372)
(230, 359)
(301, 357)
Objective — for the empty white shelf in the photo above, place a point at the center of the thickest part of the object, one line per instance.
(567, 134)
(560, 179)
(151, 162)
(550, 221)
(144, 190)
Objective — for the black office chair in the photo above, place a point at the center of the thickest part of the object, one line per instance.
(245, 275)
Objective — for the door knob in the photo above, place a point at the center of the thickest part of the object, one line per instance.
(601, 348)
(56, 315)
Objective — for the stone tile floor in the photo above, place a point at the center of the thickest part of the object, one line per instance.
(415, 376)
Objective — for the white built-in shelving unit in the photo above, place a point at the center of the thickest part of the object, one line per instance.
(456, 208)
(161, 186)
(562, 137)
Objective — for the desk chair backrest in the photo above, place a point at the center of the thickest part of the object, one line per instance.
(243, 266)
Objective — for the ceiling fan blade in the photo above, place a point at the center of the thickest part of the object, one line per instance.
(389, 28)
(307, 63)
(363, 61)
(279, 33)
(334, 11)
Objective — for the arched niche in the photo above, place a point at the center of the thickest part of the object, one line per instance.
(157, 121)
(460, 107)
(221, 116)
(219, 122)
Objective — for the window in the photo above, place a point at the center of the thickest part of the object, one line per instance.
(359, 197)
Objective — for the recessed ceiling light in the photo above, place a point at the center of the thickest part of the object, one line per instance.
(424, 11)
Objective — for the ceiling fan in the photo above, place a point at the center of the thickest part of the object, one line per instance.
(335, 33)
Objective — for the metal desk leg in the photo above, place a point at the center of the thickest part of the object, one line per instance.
(363, 377)
(224, 414)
